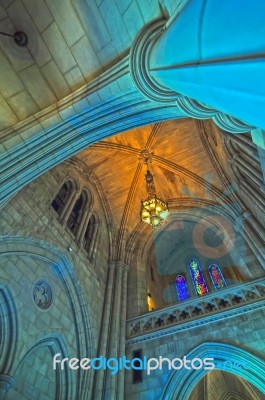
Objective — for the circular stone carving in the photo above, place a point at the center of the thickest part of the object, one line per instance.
(42, 295)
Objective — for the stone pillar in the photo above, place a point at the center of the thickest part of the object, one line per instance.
(121, 377)
(68, 208)
(116, 346)
(212, 52)
(82, 227)
(113, 351)
(92, 249)
(99, 377)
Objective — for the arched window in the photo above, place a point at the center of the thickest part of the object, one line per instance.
(62, 196)
(181, 287)
(76, 213)
(216, 276)
(197, 277)
(89, 233)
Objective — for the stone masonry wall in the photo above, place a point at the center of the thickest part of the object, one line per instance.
(29, 216)
(246, 331)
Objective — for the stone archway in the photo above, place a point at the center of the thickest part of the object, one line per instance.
(224, 385)
(183, 381)
(8, 331)
(41, 250)
(60, 383)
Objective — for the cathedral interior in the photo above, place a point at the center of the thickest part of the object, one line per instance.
(132, 197)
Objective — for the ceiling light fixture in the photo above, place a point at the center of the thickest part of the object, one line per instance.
(19, 37)
(154, 210)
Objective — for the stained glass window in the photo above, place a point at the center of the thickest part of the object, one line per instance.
(181, 287)
(216, 276)
(197, 277)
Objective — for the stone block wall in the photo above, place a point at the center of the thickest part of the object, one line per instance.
(245, 331)
(70, 43)
(34, 248)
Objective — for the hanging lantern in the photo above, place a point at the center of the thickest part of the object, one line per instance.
(154, 210)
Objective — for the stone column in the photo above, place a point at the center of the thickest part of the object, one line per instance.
(99, 377)
(113, 332)
(68, 208)
(83, 225)
(121, 377)
(111, 382)
(92, 249)
(116, 346)
(212, 52)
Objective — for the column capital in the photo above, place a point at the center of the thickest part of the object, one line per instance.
(87, 211)
(246, 215)
(119, 264)
(139, 64)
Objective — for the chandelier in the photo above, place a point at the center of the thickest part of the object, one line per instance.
(154, 210)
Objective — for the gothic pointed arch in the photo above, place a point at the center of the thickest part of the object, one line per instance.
(62, 197)
(63, 385)
(8, 329)
(182, 382)
(79, 309)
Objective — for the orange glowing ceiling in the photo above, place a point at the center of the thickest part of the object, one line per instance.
(180, 164)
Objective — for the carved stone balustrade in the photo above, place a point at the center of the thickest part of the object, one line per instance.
(222, 303)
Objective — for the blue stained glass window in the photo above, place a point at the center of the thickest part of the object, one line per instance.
(197, 277)
(181, 287)
(216, 276)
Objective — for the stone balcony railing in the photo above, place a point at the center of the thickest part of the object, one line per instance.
(223, 301)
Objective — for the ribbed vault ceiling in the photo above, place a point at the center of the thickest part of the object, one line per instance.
(180, 164)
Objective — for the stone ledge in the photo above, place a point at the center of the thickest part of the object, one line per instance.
(218, 305)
